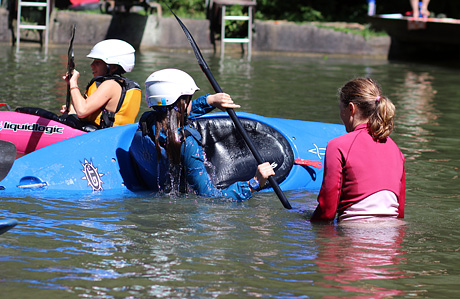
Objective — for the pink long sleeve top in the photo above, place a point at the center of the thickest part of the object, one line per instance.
(356, 167)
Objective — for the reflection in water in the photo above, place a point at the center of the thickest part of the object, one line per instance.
(232, 67)
(416, 109)
(354, 252)
(229, 72)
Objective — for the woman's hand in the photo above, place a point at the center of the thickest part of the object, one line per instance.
(264, 171)
(64, 109)
(73, 84)
(222, 101)
(71, 109)
(72, 81)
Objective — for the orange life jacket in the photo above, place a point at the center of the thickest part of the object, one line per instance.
(128, 104)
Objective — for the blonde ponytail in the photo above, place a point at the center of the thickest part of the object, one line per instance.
(381, 122)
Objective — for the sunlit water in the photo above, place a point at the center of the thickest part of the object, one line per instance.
(147, 246)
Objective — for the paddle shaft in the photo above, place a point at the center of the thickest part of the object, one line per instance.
(67, 100)
(204, 67)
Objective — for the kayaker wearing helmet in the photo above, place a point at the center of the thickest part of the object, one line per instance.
(166, 131)
(110, 99)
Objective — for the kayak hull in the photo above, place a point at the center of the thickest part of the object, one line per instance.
(31, 132)
(100, 162)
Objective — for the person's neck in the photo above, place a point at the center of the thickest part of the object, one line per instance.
(359, 122)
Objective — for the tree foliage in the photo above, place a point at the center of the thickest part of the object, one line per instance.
(317, 10)
(191, 8)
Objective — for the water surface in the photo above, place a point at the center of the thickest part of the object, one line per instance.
(148, 246)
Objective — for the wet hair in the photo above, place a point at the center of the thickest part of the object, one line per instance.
(366, 94)
(170, 119)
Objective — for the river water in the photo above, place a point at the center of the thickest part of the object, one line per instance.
(190, 247)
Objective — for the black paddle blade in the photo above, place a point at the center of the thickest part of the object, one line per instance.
(70, 52)
(194, 45)
(7, 157)
(203, 65)
(70, 66)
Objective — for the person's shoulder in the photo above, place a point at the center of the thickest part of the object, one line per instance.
(393, 143)
(191, 131)
(390, 142)
(344, 141)
(336, 143)
(110, 85)
(147, 115)
(111, 81)
(131, 83)
(343, 138)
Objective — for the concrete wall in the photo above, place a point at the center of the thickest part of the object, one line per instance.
(290, 37)
(154, 32)
(5, 34)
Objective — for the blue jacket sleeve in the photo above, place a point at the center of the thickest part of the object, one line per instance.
(200, 107)
(199, 179)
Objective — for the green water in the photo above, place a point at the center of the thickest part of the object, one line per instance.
(163, 247)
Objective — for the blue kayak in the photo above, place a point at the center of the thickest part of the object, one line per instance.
(112, 160)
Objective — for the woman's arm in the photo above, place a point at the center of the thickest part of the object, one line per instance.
(106, 92)
(208, 102)
(222, 101)
(329, 195)
(200, 107)
(402, 195)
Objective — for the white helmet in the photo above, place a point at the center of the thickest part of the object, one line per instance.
(165, 87)
(114, 51)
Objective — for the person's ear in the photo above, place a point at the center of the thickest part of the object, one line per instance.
(352, 106)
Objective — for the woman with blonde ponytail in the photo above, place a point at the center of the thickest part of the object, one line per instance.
(364, 177)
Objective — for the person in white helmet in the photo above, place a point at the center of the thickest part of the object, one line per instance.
(109, 99)
(176, 145)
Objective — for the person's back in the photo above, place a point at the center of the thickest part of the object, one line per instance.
(370, 167)
(131, 104)
(364, 173)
